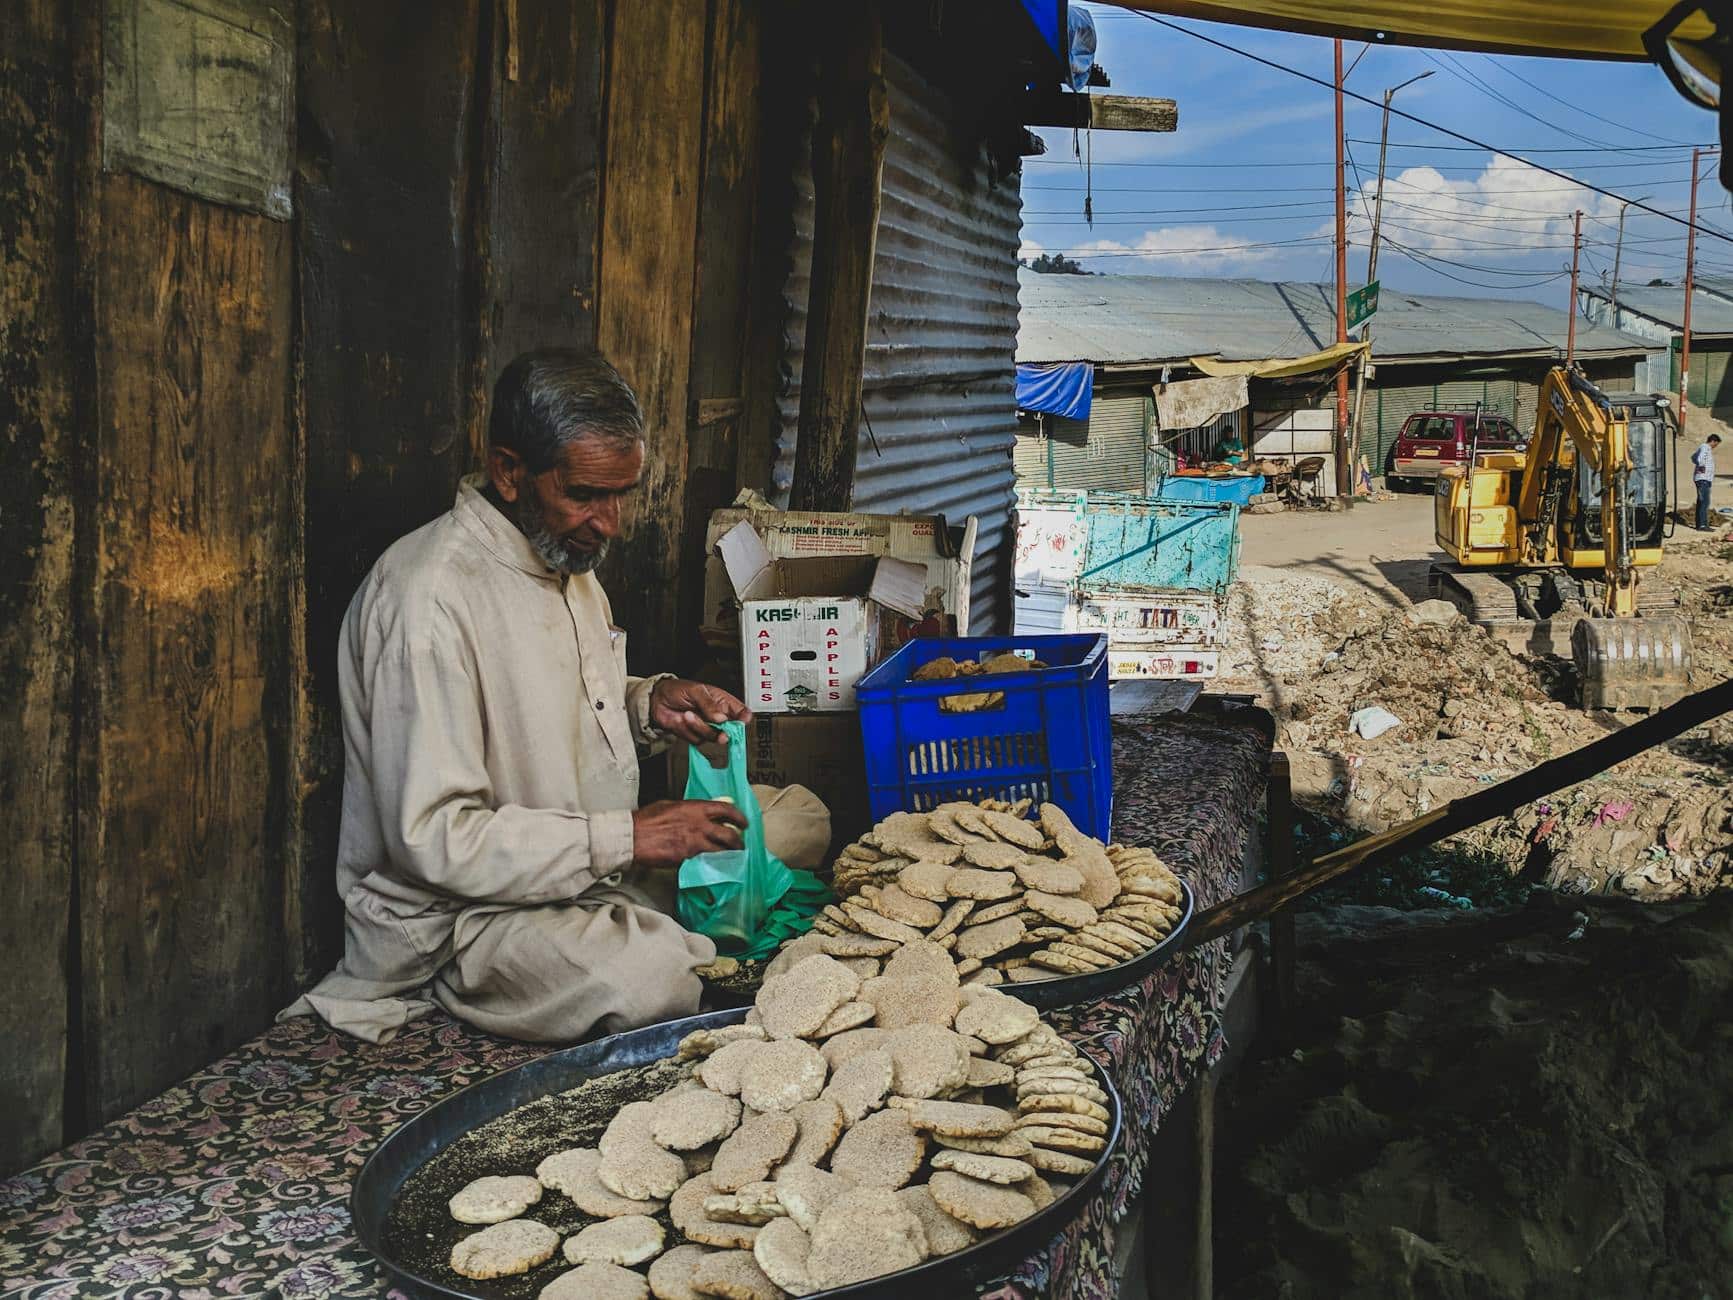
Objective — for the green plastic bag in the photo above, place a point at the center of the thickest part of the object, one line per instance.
(745, 900)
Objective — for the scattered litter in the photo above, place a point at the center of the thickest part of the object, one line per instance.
(1372, 722)
(1609, 813)
(1448, 899)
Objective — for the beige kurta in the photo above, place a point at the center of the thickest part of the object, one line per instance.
(491, 739)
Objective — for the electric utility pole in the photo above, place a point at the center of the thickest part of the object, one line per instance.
(1690, 269)
(1344, 470)
(1576, 252)
(1372, 267)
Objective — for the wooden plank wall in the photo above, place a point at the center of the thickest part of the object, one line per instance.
(387, 291)
(654, 134)
(40, 135)
(185, 756)
(213, 459)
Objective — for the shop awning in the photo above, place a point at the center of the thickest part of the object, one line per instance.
(1064, 388)
(1593, 29)
(1281, 367)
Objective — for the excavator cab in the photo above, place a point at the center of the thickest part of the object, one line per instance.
(1547, 558)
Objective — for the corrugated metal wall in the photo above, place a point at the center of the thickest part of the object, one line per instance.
(942, 334)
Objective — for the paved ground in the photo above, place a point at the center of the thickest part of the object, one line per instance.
(1382, 547)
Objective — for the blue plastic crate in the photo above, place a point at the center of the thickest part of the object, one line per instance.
(1049, 741)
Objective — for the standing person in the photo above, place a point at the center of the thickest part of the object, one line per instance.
(492, 857)
(1703, 477)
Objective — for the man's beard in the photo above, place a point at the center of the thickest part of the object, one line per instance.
(553, 552)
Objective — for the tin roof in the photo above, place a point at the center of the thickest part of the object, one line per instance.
(1711, 304)
(1131, 319)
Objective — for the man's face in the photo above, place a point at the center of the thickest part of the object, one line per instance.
(571, 512)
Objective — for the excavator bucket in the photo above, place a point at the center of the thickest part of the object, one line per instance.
(1632, 663)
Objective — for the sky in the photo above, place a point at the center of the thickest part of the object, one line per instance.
(1246, 185)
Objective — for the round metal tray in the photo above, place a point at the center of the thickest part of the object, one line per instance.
(1068, 990)
(424, 1136)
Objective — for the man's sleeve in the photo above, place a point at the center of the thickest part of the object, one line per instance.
(436, 806)
(638, 693)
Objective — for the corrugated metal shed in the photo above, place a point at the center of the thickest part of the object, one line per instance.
(1711, 312)
(1133, 319)
(938, 386)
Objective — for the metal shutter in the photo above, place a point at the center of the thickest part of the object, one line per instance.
(1711, 385)
(1107, 453)
(1463, 392)
(1029, 457)
(1388, 410)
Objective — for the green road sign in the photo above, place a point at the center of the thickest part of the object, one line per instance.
(1362, 305)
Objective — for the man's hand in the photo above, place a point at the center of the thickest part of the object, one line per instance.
(665, 834)
(689, 710)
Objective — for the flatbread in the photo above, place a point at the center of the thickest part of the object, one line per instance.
(504, 1250)
(795, 1004)
(882, 1150)
(783, 1074)
(671, 1273)
(864, 1233)
(821, 1124)
(945, 1235)
(733, 1275)
(861, 1085)
(754, 1149)
(694, 1118)
(978, 1204)
(627, 1240)
(596, 1281)
(494, 1199)
(573, 1172)
(1003, 1170)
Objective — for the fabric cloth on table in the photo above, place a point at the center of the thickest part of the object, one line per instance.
(236, 1182)
(1191, 788)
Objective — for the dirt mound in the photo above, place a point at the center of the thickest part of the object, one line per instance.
(1530, 1102)
(1473, 713)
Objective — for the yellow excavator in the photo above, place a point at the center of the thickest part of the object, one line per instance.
(1547, 543)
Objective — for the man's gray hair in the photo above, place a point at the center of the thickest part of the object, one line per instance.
(545, 400)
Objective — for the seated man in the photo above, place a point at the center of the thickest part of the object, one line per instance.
(492, 856)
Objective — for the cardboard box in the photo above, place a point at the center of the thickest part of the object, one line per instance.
(1187, 663)
(805, 654)
(822, 753)
(913, 569)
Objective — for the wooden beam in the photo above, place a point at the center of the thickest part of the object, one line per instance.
(1459, 814)
(1103, 112)
(848, 155)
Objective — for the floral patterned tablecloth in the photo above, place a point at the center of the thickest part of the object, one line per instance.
(236, 1182)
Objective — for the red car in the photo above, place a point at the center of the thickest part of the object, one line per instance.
(1431, 441)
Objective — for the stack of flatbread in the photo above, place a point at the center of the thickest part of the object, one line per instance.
(1013, 899)
(852, 1127)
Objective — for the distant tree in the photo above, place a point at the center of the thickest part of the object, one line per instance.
(1660, 284)
(1054, 264)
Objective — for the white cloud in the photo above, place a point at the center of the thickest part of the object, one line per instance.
(1170, 250)
(1511, 210)
(1029, 249)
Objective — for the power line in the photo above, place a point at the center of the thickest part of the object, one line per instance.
(1464, 148)
(1524, 81)
(1420, 121)
(1449, 64)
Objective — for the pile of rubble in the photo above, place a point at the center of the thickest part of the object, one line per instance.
(1387, 712)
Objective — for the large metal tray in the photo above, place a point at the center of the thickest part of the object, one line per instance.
(1068, 990)
(424, 1136)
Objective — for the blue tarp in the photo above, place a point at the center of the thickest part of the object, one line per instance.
(1045, 15)
(1061, 389)
(1239, 489)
